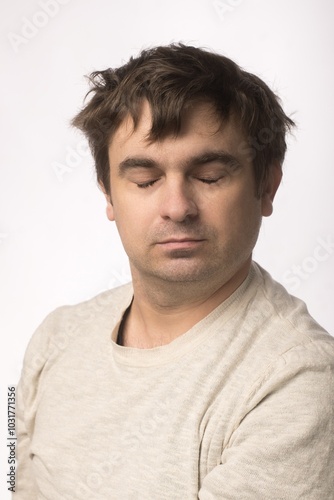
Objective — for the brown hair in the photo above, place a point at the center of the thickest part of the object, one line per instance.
(169, 78)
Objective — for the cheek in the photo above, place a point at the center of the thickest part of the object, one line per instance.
(238, 213)
(132, 222)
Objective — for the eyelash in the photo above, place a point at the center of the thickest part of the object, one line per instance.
(145, 185)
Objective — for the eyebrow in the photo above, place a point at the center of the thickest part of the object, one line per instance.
(222, 157)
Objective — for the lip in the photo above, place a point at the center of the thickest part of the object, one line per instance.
(175, 243)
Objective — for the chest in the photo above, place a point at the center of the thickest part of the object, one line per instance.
(106, 432)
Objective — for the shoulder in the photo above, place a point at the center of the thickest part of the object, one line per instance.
(69, 323)
(287, 341)
(106, 304)
(287, 313)
(282, 338)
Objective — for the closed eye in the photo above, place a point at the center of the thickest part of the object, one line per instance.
(210, 180)
(143, 185)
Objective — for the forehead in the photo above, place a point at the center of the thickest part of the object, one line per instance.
(201, 127)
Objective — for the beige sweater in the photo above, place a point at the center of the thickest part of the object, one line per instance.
(239, 407)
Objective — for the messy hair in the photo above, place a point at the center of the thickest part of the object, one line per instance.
(171, 78)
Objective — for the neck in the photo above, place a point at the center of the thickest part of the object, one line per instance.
(162, 311)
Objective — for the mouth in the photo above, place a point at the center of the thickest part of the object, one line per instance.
(180, 243)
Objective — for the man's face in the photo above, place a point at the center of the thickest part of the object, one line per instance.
(185, 207)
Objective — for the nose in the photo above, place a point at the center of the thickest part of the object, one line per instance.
(177, 201)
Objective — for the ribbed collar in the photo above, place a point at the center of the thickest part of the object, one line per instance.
(132, 356)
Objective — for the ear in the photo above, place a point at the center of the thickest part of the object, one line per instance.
(273, 182)
(109, 207)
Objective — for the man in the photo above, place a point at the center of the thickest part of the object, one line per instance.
(203, 378)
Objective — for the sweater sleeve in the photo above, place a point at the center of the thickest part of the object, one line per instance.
(44, 347)
(282, 446)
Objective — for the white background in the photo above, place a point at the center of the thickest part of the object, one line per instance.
(56, 245)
